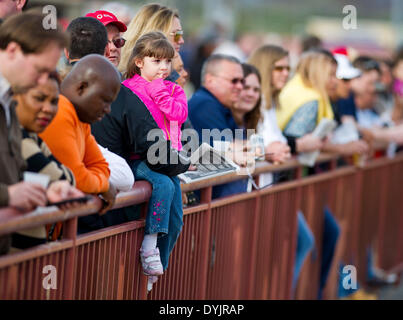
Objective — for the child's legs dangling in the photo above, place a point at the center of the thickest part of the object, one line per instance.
(167, 242)
(159, 207)
(157, 219)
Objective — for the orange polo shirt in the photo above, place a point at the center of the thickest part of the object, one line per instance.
(72, 143)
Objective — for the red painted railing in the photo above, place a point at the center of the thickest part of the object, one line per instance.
(240, 247)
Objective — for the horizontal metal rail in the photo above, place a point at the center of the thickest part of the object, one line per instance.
(239, 247)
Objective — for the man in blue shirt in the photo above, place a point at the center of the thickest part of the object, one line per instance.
(210, 107)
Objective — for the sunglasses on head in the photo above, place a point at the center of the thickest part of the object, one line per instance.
(281, 68)
(177, 35)
(118, 43)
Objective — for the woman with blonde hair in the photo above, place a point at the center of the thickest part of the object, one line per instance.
(273, 63)
(152, 17)
(134, 30)
(304, 101)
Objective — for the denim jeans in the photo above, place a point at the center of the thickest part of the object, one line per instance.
(165, 213)
(331, 232)
(305, 243)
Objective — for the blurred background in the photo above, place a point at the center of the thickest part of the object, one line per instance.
(242, 25)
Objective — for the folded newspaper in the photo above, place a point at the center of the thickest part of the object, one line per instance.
(209, 163)
(324, 127)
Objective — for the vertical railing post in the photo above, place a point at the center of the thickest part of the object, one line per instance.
(333, 164)
(70, 232)
(383, 207)
(206, 195)
(293, 246)
(298, 172)
(254, 246)
(358, 214)
(143, 278)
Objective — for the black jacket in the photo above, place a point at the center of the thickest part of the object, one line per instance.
(124, 131)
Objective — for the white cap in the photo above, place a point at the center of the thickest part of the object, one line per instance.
(345, 69)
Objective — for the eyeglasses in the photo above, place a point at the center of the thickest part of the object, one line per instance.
(234, 81)
(118, 43)
(177, 35)
(281, 68)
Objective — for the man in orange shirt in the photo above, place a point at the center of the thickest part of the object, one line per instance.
(86, 96)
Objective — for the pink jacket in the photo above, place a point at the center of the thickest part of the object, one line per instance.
(166, 102)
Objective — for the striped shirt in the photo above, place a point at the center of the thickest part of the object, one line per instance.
(39, 159)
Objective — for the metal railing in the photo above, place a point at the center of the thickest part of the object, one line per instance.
(239, 247)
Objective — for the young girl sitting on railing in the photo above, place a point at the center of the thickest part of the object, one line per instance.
(149, 65)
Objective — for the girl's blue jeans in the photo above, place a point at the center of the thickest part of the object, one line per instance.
(165, 214)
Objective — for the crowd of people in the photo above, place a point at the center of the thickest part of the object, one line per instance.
(83, 119)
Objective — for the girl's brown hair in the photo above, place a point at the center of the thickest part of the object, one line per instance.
(151, 17)
(152, 44)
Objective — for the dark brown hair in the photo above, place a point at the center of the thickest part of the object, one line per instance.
(54, 75)
(27, 30)
(252, 117)
(152, 44)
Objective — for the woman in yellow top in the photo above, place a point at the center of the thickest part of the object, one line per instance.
(304, 101)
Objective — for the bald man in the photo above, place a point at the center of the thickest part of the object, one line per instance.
(86, 96)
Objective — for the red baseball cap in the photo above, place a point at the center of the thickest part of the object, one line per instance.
(106, 18)
(340, 50)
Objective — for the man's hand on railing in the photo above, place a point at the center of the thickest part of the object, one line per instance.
(245, 160)
(368, 135)
(357, 147)
(277, 152)
(108, 199)
(26, 196)
(62, 190)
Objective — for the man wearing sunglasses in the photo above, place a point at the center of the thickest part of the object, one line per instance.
(210, 107)
(114, 27)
